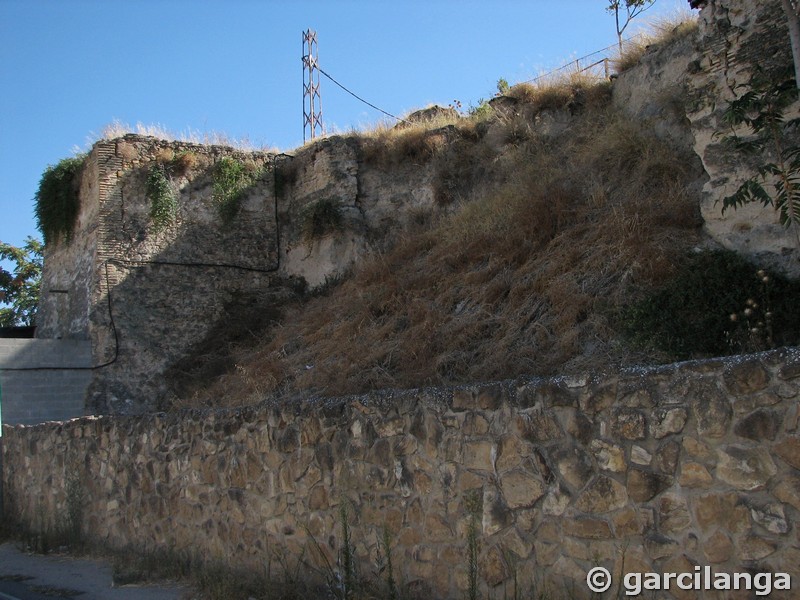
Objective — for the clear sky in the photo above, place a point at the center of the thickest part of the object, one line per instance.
(68, 68)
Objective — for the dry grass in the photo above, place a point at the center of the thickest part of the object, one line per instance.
(562, 90)
(525, 278)
(119, 128)
(661, 31)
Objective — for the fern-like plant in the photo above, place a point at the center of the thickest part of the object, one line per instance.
(762, 110)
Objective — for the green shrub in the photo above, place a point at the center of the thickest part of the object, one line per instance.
(163, 203)
(231, 178)
(58, 199)
(716, 303)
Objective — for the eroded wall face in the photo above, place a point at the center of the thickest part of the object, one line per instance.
(660, 470)
(144, 292)
(737, 38)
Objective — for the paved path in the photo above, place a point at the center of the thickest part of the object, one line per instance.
(35, 577)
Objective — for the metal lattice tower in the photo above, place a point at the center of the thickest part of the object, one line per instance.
(312, 101)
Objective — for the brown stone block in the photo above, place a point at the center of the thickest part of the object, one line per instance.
(609, 457)
(490, 397)
(496, 514)
(745, 467)
(660, 546)
(771, 517)
(787, 490)
(587, 527)
(478, 455)
(667, 456)
(645, 485)
(721, 510)
(493, 567)
(745, 377)
(629, 423)
(463, 399)
(408, 536)
(627, 523)
(679, 564)
(694, 475)
(718, 548)
(600, 397)
(668, 421)
(753, 547)
(712, 410)
(510, 451)
(602, 495)
(437, 529)
(404, 445)
(574, 464)
(788, 450)
(512, 542)
(546, 553)
(576, 424)
(537, 427)
(761, 424)
(521, 489)
(673, 514)
(699, 450)
(475, 424)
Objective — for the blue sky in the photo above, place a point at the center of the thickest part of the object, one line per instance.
(67, 69)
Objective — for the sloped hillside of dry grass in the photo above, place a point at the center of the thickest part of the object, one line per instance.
(527, 277)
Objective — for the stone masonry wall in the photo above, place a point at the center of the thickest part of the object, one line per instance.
(663, 470)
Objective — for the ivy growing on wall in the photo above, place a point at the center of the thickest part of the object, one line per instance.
(231, 180)
(163, 202)
(58, 199)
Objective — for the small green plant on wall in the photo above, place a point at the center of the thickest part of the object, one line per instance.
(163, 201)
(231, 179)
(320, 218)
(58, 200)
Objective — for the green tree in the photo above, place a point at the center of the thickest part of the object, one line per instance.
(19, 289)
(761, 110)
(624, 12)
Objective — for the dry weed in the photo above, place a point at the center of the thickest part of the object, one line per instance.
(524, 278)
(660, 32)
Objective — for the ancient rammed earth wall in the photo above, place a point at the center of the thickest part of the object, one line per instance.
(659, 470)
(146, 297)
(166, 286)
(737, 37)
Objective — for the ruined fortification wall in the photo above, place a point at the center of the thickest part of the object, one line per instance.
(659, 470)
(148, 297)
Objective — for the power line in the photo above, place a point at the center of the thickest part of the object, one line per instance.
(356, 96)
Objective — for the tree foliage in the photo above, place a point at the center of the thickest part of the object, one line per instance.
(625, 11)
(761, 110)
(19, 289)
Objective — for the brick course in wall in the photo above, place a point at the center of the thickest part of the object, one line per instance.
(695, 464)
